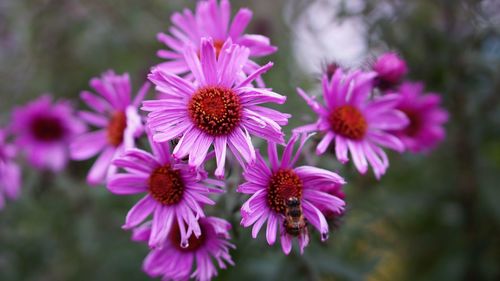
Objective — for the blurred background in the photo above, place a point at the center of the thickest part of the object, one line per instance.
(431, 217)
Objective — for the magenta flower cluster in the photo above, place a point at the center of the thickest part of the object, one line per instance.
(211, 106)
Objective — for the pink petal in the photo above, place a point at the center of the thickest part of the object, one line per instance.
(88, 145)
(139, 212)
(220, 147)
(98, 171)
(325, 143)
(272, 223)
(358, 155)
(125, 184)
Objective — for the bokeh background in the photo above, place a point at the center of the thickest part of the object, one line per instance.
(432, 217)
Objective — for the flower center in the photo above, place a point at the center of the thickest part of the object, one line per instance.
(166, 185)
(47, 128)
(348, 122)
(194, 242)
(215, 110)
(414, 125)
(116, 128)
(283, 184)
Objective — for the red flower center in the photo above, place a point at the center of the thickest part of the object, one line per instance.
(347, 121)
(166, 185)
(116, 128)
(215, 110)
(283, 184)
(47, 128)
(194, 242)
(414, 125)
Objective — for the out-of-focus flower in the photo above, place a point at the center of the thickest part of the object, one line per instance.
(355, 122)
(44, 129)
(210, 20)
(427, 118)
(10, 174)
(118, 122)
(194, 260)
(175, 191)
(217, 108)
(390, 69)
(272, 187)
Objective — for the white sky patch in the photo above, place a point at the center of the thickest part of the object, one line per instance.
(320, 37)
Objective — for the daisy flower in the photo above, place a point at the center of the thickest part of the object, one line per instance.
(427, 118)
(210, 20)
(271, 188)
(175, 193)
(354, 122)
(219, 107)
(196, 259)
(118, 122)
(44, 130)
(10, 174)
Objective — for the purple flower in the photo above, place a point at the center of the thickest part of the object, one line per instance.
(219, 107)
(354, 122)
(426, 117)
(174, 191)
(210, 20)
(44, 129)
(10, 174)
(390, 69)
(195, 260)
(118, 122)
(271, 187)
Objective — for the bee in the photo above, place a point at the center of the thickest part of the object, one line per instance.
(295, 224)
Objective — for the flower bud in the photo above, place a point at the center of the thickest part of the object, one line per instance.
(390, 68)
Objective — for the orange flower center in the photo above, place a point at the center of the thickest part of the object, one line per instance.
(283, 184)
(347, 121)
(215, 110)
(166, 185)
(116, 128)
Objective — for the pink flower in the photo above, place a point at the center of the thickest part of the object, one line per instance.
(43, 130)
(115, 115)
(390, 69)
(219, 107)
(210, 20)
(427, 118)
(10, 174)
(355, 122)
(174, 191)
(193, 260)
(271, 187)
